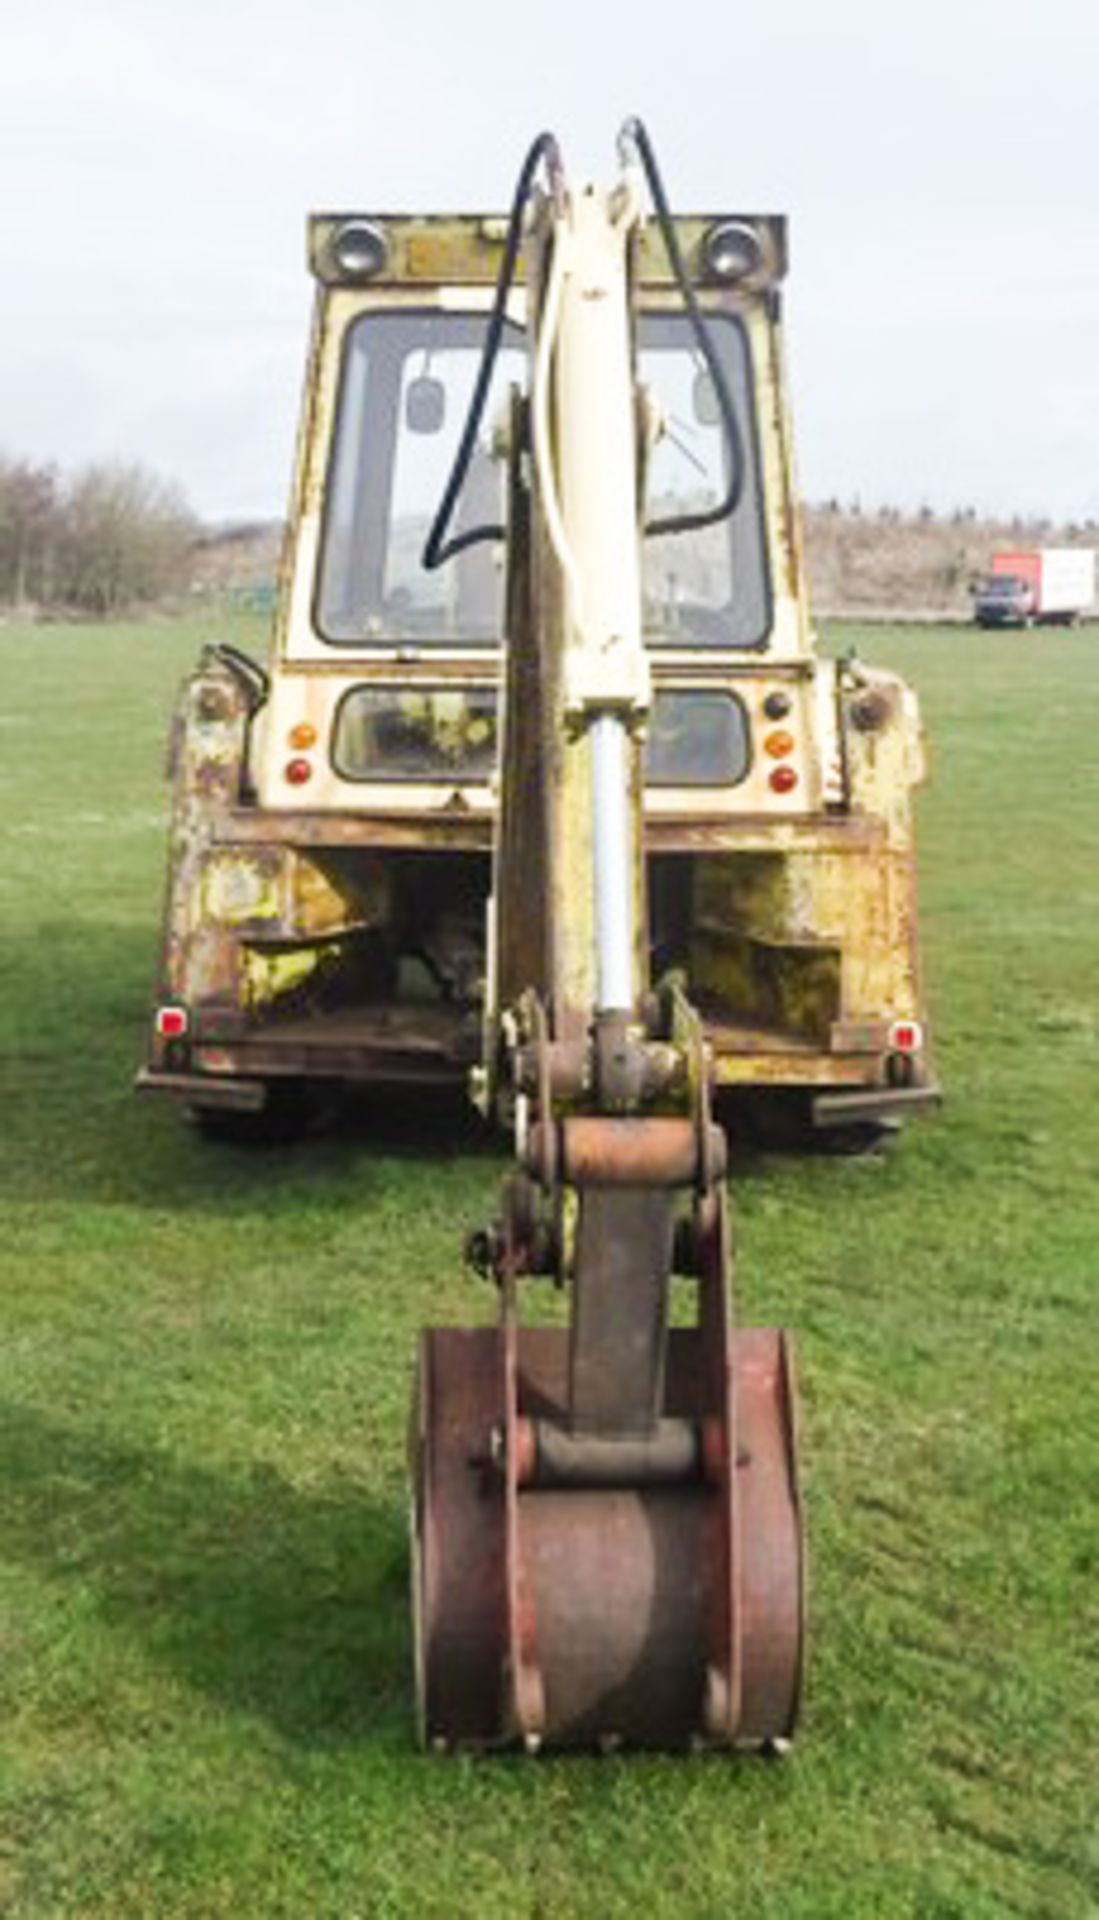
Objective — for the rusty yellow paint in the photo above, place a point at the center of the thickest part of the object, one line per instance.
(268, 977)
(819, 932)
(323, 902)
(465, 249)
(285, 894)
(235, 888)
(802, 943)
(797, 942)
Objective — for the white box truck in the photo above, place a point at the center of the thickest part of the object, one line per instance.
(1044, 586)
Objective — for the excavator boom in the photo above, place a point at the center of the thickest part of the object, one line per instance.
(607, 1529)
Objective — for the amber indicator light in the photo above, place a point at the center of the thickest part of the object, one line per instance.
(779, 744)
(303, 735)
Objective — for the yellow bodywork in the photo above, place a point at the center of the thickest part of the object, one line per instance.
(796, 919)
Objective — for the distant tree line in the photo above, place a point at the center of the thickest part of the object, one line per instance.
(1037, 528)
(107, 538)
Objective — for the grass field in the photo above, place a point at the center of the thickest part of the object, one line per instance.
(206, 1362)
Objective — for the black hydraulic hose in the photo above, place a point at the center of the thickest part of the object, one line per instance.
(635, 134)
(254, 678)
(437, 548)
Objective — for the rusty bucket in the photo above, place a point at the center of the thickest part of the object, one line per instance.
(572, 1591)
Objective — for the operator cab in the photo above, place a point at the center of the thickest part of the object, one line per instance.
(389, 668)
(405, 391)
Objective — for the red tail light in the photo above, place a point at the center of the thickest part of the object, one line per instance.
(783, 779)
(171, 1022)
(906, 1036)
(297, 772)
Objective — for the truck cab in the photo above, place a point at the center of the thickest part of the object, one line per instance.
(1004, 600)
(331, 847)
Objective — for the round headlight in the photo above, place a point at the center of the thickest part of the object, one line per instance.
(359, 249)
(732, 251)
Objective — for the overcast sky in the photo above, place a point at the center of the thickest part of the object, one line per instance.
(939, 163)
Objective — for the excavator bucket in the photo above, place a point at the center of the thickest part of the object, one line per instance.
(581, 1592)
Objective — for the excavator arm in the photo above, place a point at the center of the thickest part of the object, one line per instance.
(607, 1536)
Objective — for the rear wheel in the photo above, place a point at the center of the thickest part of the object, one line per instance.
(780, 1120)
(284, 1117)
(855, 1137)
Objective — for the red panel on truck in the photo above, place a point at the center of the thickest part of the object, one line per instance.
(1022, 566)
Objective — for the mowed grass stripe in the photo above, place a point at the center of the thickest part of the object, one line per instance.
(206, 1365)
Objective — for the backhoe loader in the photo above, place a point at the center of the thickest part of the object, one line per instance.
(331, 849)
(549, 784)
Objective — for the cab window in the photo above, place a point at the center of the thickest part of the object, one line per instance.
(406, 383)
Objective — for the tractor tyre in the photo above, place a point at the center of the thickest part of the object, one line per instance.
(285, 1117)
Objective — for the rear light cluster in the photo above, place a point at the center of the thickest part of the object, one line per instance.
(779, 744)
(299, 770)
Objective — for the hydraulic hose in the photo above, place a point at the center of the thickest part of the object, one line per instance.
(254, 678)
(634, 134)
(437, 548)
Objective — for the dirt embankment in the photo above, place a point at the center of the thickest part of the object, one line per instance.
(881, 562)
(916, 564)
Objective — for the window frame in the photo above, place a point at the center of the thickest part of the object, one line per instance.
(364, 643)
(754, 496)
(440, 778)
(655, 641)
(713, 693)
(451, 779)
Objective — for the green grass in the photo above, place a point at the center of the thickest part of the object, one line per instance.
(202, 1554)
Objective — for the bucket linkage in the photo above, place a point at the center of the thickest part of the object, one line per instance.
(607, 1527)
